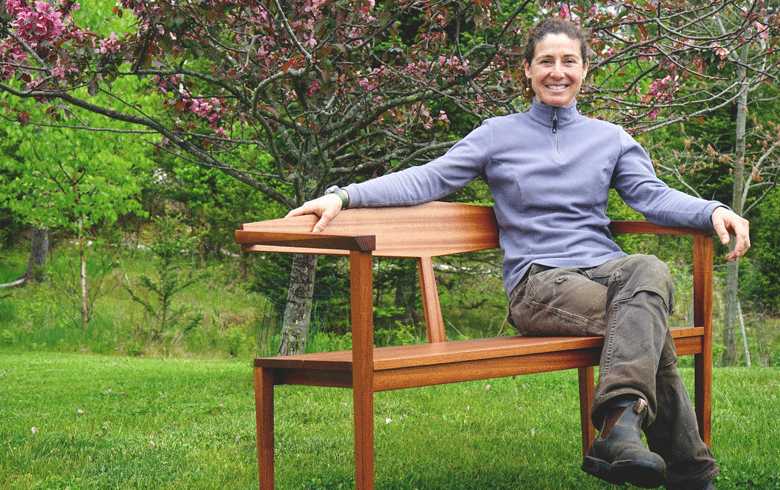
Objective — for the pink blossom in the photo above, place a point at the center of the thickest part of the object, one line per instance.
(110, 45)
(763, 31)
(38, 27)
(314, 87)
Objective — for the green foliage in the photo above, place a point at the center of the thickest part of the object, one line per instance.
(72, 182)
(214, 204)
(61, 178)
(168, 245)
(10, 228)
(617, 209)
(398, 334)
(472, 296)
(398, 300)
(64, 268)
(761, 278)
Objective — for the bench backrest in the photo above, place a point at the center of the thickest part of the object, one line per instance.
(435, 229)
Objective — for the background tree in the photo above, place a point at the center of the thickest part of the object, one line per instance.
(731, 149)
(73, 181)
(156, 294)
(290, 97)
(10, 226)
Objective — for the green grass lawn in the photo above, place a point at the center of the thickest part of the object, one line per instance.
(71, 421)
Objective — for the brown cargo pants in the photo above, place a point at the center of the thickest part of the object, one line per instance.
(627, 301)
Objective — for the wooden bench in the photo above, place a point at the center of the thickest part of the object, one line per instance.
(424, 232)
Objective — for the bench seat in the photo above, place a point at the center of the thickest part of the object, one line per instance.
(411, 366)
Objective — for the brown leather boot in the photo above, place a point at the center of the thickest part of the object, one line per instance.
(618, 455)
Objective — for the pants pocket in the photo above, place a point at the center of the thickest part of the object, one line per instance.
(559, 302)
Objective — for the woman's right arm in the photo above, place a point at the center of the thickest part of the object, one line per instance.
(461, 164)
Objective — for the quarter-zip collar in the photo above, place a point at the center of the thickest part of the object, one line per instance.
(554, 118)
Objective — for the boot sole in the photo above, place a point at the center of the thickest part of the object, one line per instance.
(642, 474)
(601, 470)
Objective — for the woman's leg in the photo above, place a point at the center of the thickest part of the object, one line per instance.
(626, 300)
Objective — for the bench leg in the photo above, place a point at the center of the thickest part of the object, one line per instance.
(264, 412)
(703, 395)
(364, 439)
(586, 381)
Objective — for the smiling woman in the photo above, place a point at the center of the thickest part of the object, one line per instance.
(550, 171)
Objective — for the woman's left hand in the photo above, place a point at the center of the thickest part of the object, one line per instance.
(727, 223)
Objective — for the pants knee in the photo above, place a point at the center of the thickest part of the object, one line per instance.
(648, 273)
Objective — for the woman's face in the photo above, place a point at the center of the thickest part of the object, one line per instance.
(557, 70)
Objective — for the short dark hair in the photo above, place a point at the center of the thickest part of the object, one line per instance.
(555, 25)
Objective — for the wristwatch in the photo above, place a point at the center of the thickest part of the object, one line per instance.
(334, 189)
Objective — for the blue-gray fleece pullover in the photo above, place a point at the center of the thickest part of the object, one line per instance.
(550, 170)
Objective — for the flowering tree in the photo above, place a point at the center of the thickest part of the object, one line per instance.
(287, 97)
(659, 63)
(316, 85)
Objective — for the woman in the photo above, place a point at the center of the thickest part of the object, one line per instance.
(550, 170)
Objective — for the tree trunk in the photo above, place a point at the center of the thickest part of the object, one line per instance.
(729, 319)
(737, 205)
(39, 249)
(297, 313)
(404, 292)
(84, 291)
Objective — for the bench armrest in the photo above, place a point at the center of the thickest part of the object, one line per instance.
(359, 243)
(648, 228)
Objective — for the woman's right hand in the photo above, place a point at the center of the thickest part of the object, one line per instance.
(326, 207)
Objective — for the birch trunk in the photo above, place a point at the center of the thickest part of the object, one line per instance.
(737, 205)
(84, 290)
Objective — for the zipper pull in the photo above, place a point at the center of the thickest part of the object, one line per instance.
(555, 120)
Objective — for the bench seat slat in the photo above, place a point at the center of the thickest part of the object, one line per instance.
(405, 356)
(465, 360)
